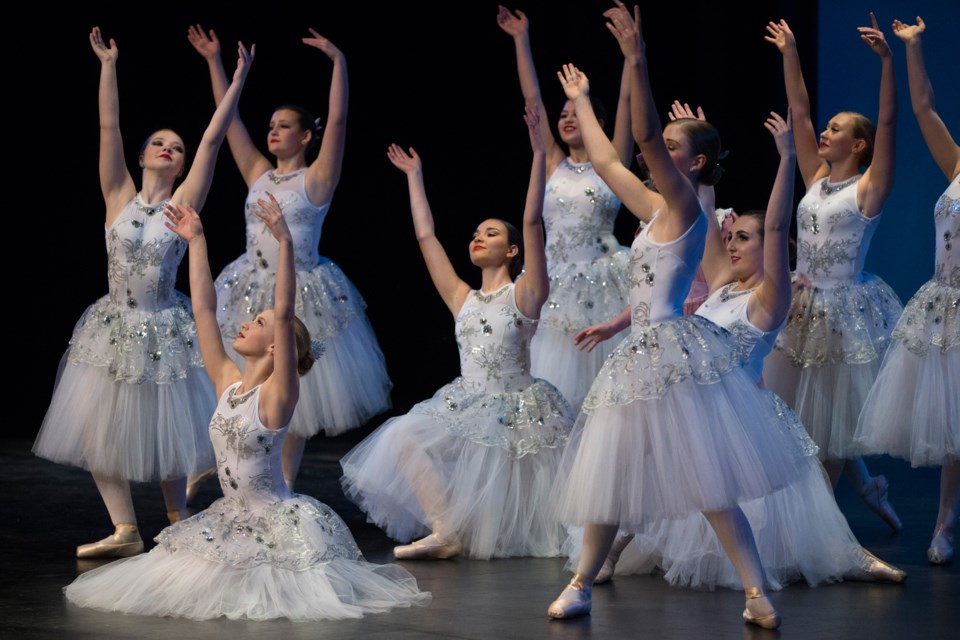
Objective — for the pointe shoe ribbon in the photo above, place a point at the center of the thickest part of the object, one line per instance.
(767, 621)
(124, 542)
(574, 601)
(433, 547)
(941, 546)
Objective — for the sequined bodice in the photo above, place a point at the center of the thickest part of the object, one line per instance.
(304, 219)
(832, 235)
(947, 220)
(579, 210)
(494, 340)
(142, 257)
(248, 453)
(670, 266)
(727, 308)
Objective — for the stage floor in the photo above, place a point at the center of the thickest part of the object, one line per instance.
(49, 509)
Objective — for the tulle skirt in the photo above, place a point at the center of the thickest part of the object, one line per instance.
(799, 532)
(131, 399)
(827, 357)
(582, 293)
(913, 410)
(469, 463)
(674, 425)
(294, 559)
(348, 384)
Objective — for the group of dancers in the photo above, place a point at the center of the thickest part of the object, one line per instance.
(592, 418)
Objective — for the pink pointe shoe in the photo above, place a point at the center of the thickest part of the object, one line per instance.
(610, 564)
(433, 547)
(759, 610)
(941, 546)
(574, 601)
(124, 542)
(873, 569)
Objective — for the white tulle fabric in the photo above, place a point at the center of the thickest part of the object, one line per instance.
(491, 441)
(131, 399)
(913, 409)
(674, 424)
(588, 277)
(349, 384)
(828, 355)
(799, 531)
(258, 553)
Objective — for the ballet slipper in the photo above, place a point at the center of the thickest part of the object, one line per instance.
(433, 547)
(941, 546)
(574, 601)
(610, 564)
(124, 542)
(759, 610)
(873, 569)
(874, 494)
(194, 482)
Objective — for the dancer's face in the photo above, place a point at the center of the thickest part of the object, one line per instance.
(256, 336)
(681, 151)
(745, 247)
(490, 244)
(164, 153)
(569, 126)
(286, 137)
(837, 141)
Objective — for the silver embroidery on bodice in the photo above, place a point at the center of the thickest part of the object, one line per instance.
(578, 215)
(932, 316)
(832, 235)
(304, 219)
(258, 520)
(494, 340)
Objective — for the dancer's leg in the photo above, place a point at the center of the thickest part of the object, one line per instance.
(735, 536)
(872, 490)
(574, 600)
(125, 540)
(941, 546)
(175, 497)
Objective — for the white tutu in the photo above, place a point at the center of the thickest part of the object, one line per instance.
(913, 409)
(131, 400)
(582, 293)
(674, 425)
(295, 559)
(496, 455)
(799, 531)
(827, 356)
(349, 384)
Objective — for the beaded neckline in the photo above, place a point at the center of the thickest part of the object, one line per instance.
(727, 292)
(148, 209)
(234, 400)
(487, 297)
(827, 187)
(277, 178)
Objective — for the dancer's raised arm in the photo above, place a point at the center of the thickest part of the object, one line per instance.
(534, 287)
(812, 166)
(943, 148)
(451, 288)
(115, 181)
(196, 185)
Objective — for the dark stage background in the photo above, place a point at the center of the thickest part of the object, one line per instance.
(439, 77)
